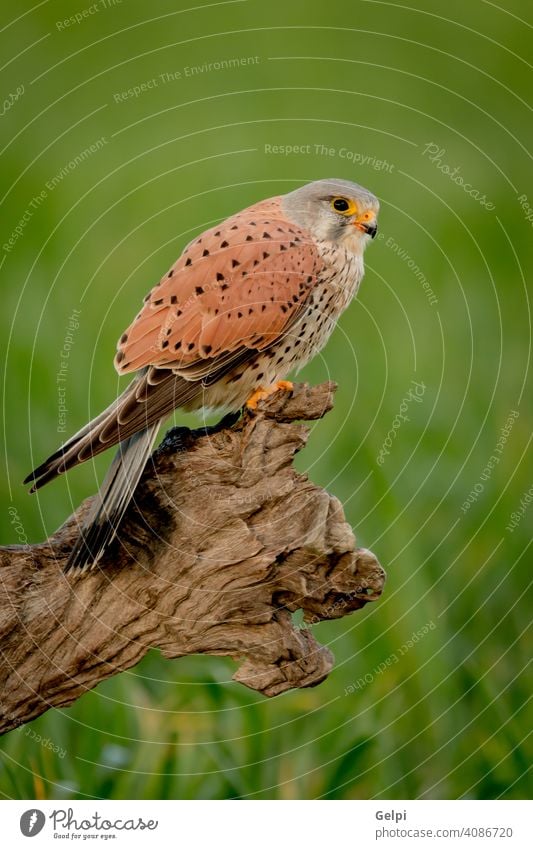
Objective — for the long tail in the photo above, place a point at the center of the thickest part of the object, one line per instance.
(132, 422)
(111, 502)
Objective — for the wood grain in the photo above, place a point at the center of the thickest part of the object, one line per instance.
(224, 542)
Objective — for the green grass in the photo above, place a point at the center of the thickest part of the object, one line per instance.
(448, 719)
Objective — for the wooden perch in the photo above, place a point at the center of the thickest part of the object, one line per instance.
(225, 540)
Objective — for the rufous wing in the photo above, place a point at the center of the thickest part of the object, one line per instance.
(239, 286)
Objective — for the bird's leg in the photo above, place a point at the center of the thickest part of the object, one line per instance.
(179, 438)
(175, 439)
(261, 393)
(227, 421)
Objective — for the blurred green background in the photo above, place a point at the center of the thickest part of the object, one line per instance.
(364, 88)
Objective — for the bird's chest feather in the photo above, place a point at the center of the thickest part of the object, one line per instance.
(342, 275)
(333, 293)
(335, 288)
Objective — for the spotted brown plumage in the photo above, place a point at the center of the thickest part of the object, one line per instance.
(239, 285)
(245, 303)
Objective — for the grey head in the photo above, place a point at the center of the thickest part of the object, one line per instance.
(334, 211)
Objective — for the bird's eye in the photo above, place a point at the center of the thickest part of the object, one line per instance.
(344, 206)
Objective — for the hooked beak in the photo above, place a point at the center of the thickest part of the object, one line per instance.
(369, 226)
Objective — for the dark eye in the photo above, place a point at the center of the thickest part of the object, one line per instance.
(342, 205)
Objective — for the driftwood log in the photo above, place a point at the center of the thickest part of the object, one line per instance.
(224, 542)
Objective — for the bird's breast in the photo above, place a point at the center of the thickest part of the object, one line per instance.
(335, 287)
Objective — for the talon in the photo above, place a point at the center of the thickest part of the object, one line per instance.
(255, 397)
(261, 393)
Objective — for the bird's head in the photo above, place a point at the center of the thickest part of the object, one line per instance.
(334, 211)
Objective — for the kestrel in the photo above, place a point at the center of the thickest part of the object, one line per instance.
(247, 302)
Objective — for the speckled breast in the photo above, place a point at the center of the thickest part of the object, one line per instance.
(333, 292)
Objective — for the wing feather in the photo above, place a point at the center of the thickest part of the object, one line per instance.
(235, 290)
(238, 287)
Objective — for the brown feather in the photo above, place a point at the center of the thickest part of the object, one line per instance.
(239, 285)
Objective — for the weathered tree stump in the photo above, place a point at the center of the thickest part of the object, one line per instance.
(224, 542)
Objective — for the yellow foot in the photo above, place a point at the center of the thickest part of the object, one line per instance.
(260, 394)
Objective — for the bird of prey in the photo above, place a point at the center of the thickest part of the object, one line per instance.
(247, 301)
